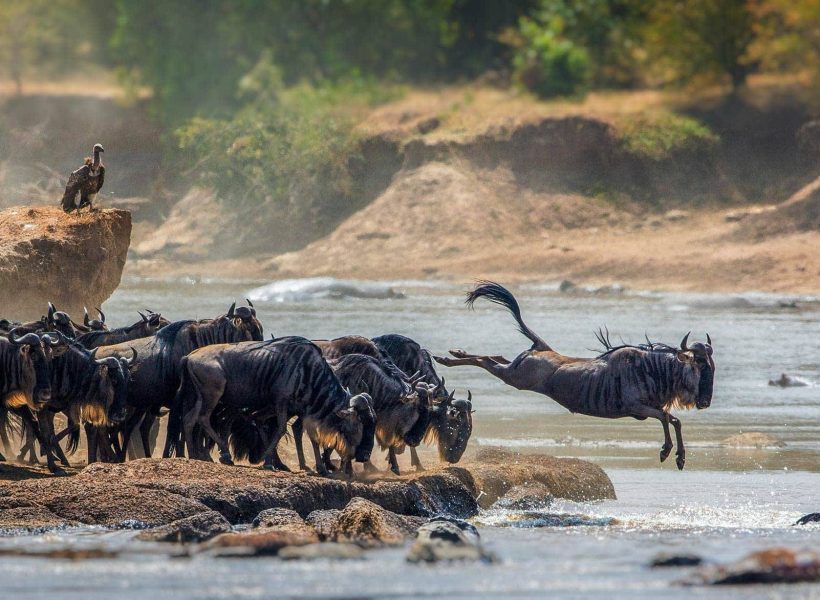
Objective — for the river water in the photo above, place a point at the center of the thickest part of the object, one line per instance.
(727, 502)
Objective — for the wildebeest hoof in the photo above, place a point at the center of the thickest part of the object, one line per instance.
(225, 459)
(665, 452)
(58, 472)
(681, 460)
(268, 467)
(458, 353)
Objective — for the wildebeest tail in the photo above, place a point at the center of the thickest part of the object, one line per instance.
(185, 398)
(498, 294)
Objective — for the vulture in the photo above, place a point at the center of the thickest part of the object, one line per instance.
(86, 181)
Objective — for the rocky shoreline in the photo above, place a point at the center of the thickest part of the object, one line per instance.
(151, 493)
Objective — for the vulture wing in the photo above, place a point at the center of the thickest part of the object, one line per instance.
(75, 183)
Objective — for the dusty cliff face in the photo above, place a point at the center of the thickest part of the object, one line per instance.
(72, 261)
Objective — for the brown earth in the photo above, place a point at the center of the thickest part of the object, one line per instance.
(72, 261)
(156, 492)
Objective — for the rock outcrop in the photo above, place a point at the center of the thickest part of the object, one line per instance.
(72, 261)
(156, 492)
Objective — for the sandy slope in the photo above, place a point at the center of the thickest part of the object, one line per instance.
(443, 221)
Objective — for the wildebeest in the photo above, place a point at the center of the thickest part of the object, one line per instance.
(145, 327)
(627, 381)
(94, 324)
(396, 402)
(269, 383)
(155, 376)
(449, 420)
(86, 389)
(25, 370)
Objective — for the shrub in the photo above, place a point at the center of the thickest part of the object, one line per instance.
(657, 135)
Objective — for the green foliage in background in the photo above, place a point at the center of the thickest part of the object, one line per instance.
(283, 144)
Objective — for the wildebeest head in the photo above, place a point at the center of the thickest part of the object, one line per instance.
(60, 321)
(451, 423)
(94, 324)
(356, 427)
(107, 402)
(700, 355)
(152, 322)
(34, 353)
(245, 321)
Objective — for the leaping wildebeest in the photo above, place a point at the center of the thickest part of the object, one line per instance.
(625, 381)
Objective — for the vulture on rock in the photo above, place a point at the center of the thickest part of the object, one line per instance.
(86, 181)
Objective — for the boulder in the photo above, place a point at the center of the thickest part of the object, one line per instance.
(776, 565)
(369, 525)
(263, 540)
(752, 439)
(273, 517)
(788, 381)
(196, 528)
(323, 522)
(72, 261)
(529, 496)
(444, 540)
(675, 560)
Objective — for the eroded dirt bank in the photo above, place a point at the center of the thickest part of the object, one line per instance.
(72, 261)
(154, 492)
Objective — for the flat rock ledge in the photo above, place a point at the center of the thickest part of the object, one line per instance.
(73, 261)
(154, 492)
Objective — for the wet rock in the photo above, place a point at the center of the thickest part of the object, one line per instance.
(328, 550)
(752, 439)
(273, 517)
(263, 540)
(497, 470)
(567, 286)
(676, 215)
(809, 518)
(369, 525)
(467, 528)
(72, 262)
(196, 528)
(776, 565)
(19, 514)
(529, 496)
(323, 522)
(62, 553)
(675, 560)
(438, 541)
(786, 380)
(536, 518)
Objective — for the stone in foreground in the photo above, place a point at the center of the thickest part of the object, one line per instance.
(776, 565)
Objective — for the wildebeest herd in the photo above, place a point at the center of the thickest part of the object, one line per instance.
(225, 388)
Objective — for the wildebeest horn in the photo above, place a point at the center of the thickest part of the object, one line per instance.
(102, 314)
(451, 396)
(29, 339)
(130, 362)
(93, 354)
(231, 310)
(55, 338)
(85, 316)
(143, 317)
(253, 310)
(683, 345)
(708, 339)
(469, 396)
(358, 402)
(51, 311)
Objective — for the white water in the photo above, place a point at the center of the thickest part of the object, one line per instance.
(726, 503)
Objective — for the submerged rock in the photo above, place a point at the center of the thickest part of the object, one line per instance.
(776, 565)
(442, 540)
(809, 518)
(264, 540)
(786, 380)
(370, 525)
(529, 496)
(330, 550)
(752, 439)
(323, 522)
(675, 560)
(196, 528)
(73, 261)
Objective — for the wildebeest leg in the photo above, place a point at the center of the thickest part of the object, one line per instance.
(641, 411)
(326, 459)
(414, 459)
(145, 434)
(369, 467)
(298, 429)
(393, 461)
(28, 447)
(347, 467)
(281, 428)
(45, 419)
(681, 453)
(458, 353)
(204, 421)
(91, 442)
(317, 455)
(131, 423)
